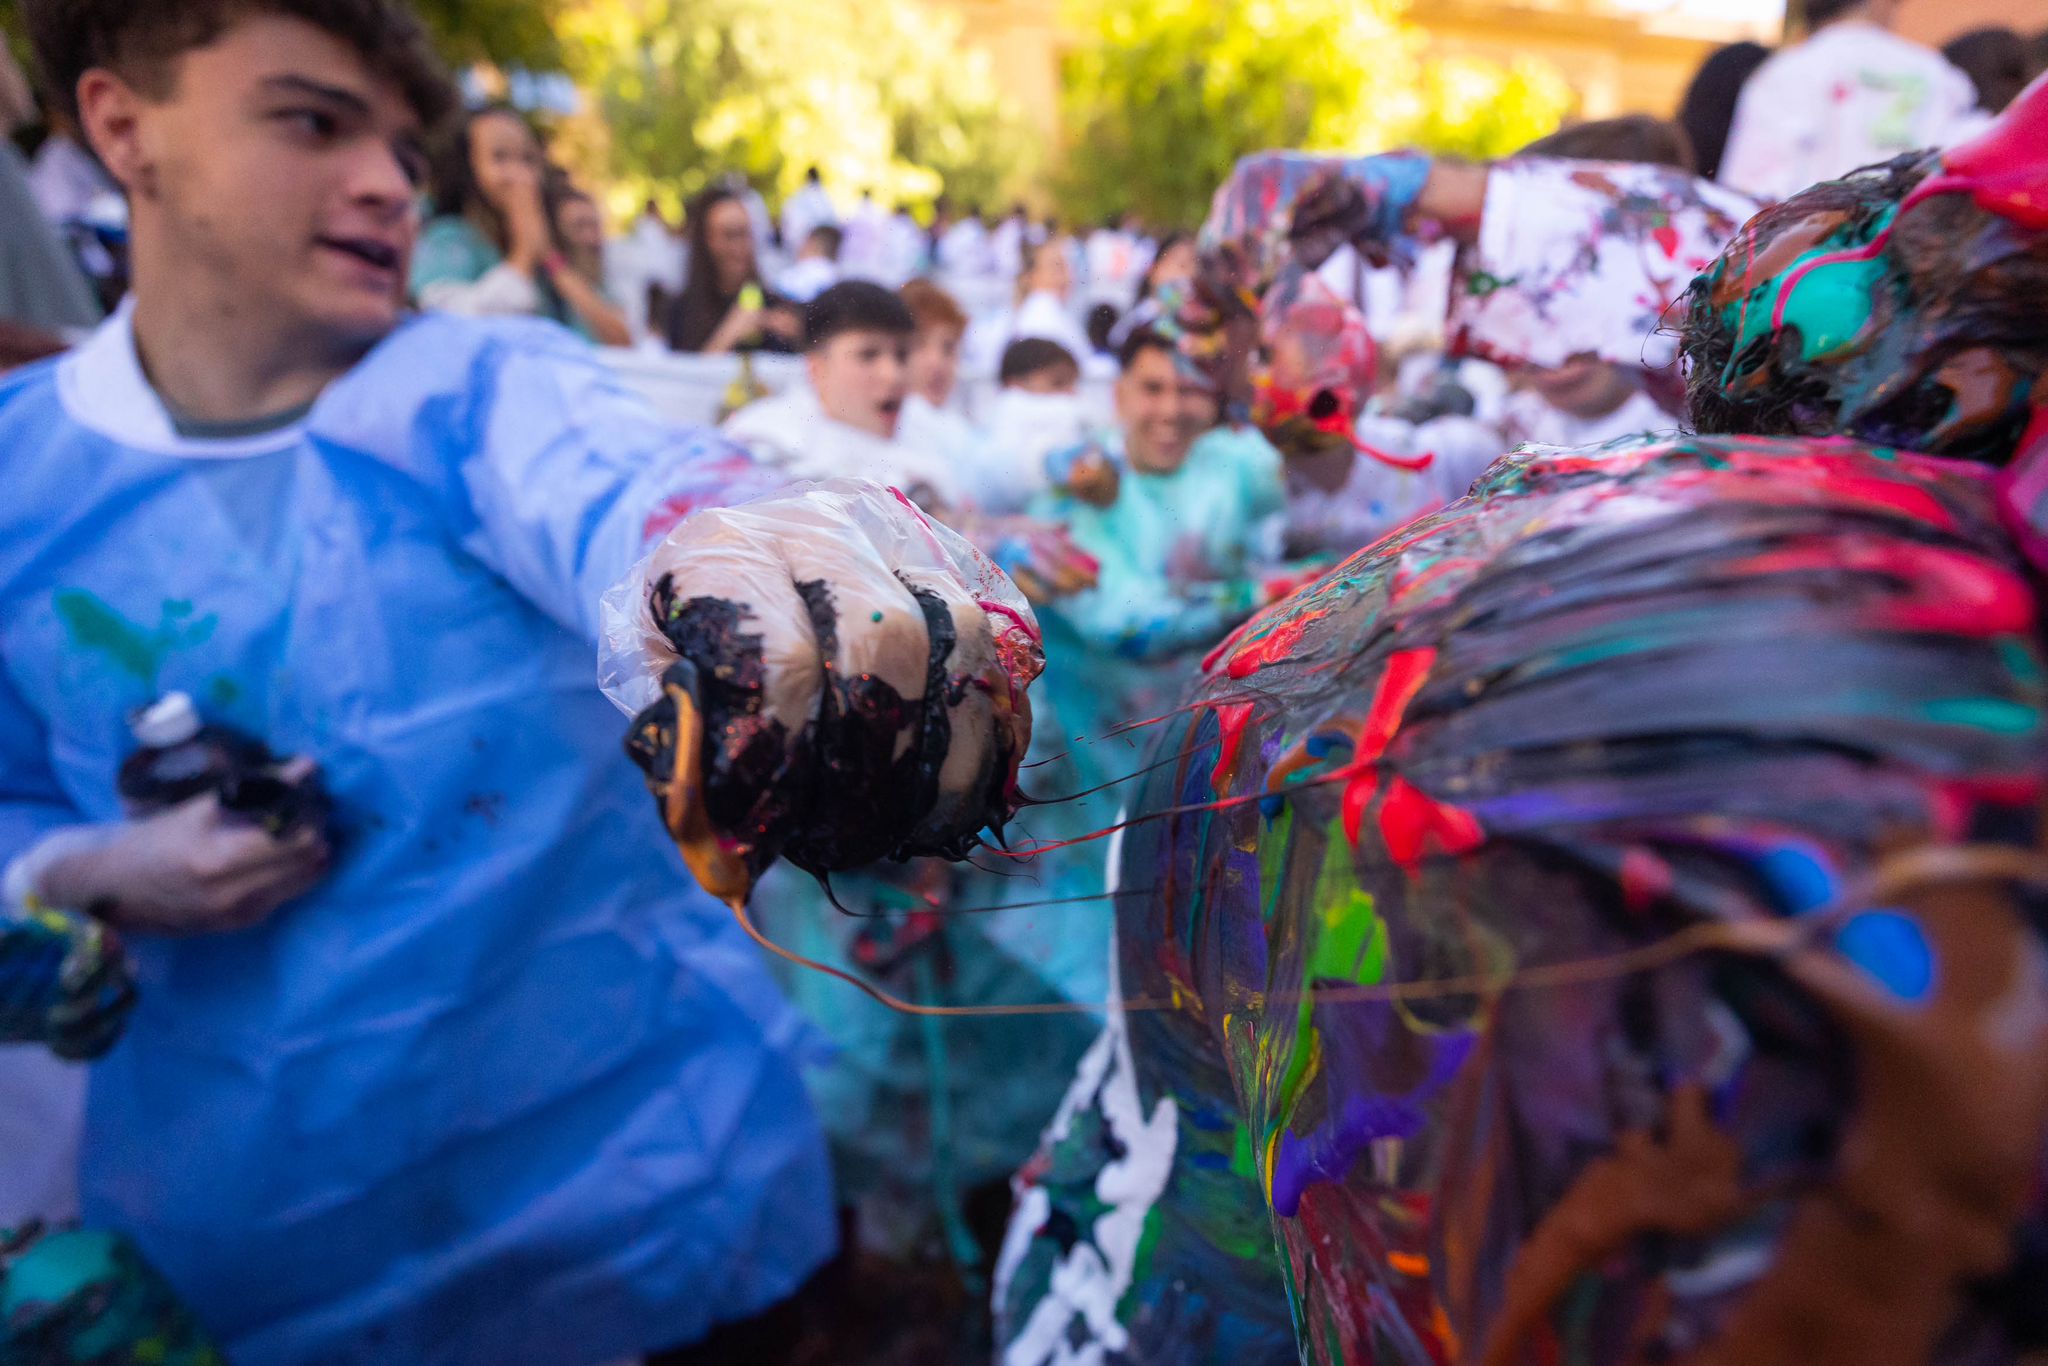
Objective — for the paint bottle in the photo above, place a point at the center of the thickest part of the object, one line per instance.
(180, 756)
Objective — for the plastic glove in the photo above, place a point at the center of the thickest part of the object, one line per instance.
(827, 674)
(193, 869)
(88, 1298)
(64, 983)
(1041, 558)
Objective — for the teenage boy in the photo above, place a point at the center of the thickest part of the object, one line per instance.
(844, 420)
(487, 1079)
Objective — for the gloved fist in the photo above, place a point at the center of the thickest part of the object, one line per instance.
(824, 674)
(1041, 558)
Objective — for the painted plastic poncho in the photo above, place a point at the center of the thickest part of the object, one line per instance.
(1600, 922)
(1529, 946)
(505, 1087)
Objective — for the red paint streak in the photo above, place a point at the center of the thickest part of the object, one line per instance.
(666, 516)
(1405, 674)
(1952, 804)
(2005, 167)
(1407, 670)
(1226, 645)
(1231, 719)
(1834, 480)
(1274, 646)
(1357, 796)
(1016, 618)
(2023, 488)
(1945, 591)
(1645, 878)
(1412, 464)
(1411, 822)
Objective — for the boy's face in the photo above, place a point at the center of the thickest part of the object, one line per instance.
(1161, 410)
(935, 363)
(279, 168)
(861, 377)
(1053, 379)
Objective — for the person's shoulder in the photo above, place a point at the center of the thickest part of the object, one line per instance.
(450, 369)
(447, 229)
(449, 340)
(26, 385)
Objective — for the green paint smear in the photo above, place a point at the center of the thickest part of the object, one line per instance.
(1350, 946)
(2019, 661)
(1241, 1162)
(1830, 304)
(1273, 860)
(1141, 1264)
(93, 625)
(1984, 713)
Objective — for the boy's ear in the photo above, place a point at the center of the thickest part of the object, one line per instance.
(110, 116)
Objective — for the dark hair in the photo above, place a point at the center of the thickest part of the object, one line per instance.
(1166, 244)
(701, 306)
(1959, 283)
(1820, 12)
(811, 176)
(453, 191)
(1709, 105)
(828, 236)
(1101, 324)
(855, 306)
(1997, 62)
(1028, 356)
(1633, 137)
(1141, 340)
(140, 39)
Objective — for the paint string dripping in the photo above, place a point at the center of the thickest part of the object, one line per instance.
(1925, 866)
(934, 908)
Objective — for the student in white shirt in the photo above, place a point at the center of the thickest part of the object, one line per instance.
(844, 422)
(817, 265)
(930, 424)
(806, 209)
(1852, 94)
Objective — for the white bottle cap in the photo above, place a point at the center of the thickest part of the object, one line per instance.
(170, 720)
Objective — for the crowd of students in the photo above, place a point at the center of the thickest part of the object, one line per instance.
(473, 1071)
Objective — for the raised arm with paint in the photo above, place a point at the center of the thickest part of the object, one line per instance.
(489, 1078)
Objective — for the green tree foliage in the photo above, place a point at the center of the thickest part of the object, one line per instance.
(507, 33)
(881, 95)
(504, 33)
(1162, 96)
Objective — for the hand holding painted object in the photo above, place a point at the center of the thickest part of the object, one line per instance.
(842, 680)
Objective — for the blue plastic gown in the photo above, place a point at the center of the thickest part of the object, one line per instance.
(506, 1088)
